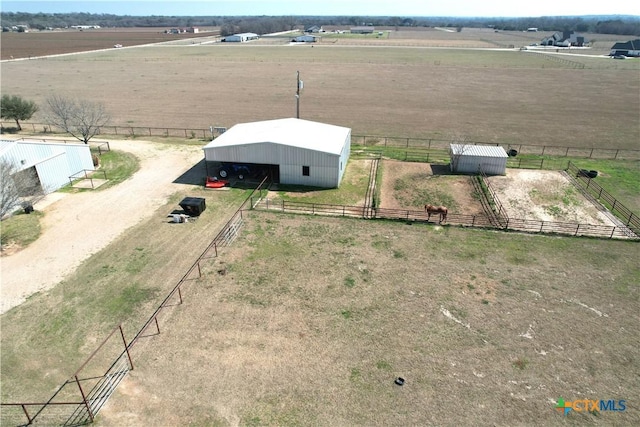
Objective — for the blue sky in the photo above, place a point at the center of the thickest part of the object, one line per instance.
(480, 8)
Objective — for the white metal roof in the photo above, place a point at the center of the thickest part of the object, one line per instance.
(6, 145)
(292, 132)
(478, 150)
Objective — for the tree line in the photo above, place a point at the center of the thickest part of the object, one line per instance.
(602, 24)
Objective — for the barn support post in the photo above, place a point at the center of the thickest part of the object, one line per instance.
(541, 226)
(566, 152)
(180, 292)
(613, 230)
(616, 155)
(157, 326)
(591, 153)
(577, 228)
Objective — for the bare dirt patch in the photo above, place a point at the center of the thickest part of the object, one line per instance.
(412, 185)
(545, 196)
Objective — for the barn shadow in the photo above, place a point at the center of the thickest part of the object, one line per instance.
(441, 169)
(194, 175)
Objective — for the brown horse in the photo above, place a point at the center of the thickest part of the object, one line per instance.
(436, 210)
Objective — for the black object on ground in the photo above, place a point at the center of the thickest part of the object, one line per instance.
(193, 206)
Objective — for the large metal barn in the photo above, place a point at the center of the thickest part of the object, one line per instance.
(292, 151)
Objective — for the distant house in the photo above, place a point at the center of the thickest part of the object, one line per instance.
(629, 48)
(314, 29)
(307, 38)
(242, 37)
(532, 30)
(565, 39)
(362, 30)
(193, 30)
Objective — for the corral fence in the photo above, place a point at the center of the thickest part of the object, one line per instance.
(79, 399)
(596, 193)
(488, 193)
(420, 144)
(482, 221)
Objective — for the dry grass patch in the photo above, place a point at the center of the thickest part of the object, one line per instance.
(492, 96)
(315, 317)
(412, 185)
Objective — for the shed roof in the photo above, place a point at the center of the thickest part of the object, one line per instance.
(478, 150)
(292, 132)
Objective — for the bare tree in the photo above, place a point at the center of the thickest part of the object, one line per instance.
(459, 145)
(17, 187)
(80, 118)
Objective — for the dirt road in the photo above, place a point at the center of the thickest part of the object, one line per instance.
(77, 225)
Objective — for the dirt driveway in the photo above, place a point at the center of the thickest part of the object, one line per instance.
(77, 225)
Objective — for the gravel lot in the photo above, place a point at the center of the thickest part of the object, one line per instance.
(78, 225)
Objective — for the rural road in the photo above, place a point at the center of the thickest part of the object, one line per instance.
(75, 226)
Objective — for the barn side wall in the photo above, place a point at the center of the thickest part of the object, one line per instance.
(489, 165)
(53, 162)
(324, 167)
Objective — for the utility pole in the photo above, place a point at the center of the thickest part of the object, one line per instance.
(299, 85)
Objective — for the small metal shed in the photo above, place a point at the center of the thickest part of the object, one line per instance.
(52, 162)
(469, 158)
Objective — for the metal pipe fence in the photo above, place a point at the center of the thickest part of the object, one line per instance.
(481, 221)
(87, 175)
(364, 140)
(78, 400)
(591, 188)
